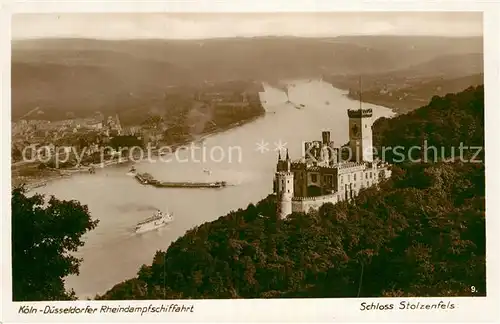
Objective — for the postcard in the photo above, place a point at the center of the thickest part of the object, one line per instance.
(181, 162)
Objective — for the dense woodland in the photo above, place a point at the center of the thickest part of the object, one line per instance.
(444, 123)
(421, 233)
(45, 232)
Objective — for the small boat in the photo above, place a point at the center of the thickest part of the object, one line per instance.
(159, 219)
(132, 171)
(39, 185)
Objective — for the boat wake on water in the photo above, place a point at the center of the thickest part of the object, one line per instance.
(135, 207)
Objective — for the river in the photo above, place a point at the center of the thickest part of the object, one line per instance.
(113, 253)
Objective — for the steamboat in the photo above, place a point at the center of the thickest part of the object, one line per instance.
(159, 219)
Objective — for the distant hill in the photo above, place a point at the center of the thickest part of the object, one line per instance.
(448, 66)
(445, 122)
(101, 84)
(409, 88)
(406, 96)
(82, 75)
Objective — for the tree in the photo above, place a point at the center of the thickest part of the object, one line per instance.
(44, 233)
(16, 153)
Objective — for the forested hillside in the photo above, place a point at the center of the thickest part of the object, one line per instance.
(444, 123)
(421, 233)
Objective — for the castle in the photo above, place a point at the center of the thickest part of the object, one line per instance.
(321, 176)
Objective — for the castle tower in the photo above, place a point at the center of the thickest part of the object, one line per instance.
(328, 152)
(360, 135)
(118, 125)
(284, 187)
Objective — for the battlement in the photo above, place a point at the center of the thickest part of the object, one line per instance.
(316, 198)
(358, 113)
(298, 164)
(301, 166)
(314, 168)
(350, 165)
(284, 173)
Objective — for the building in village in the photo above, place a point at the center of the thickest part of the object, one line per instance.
(113, 126)
(321, 176)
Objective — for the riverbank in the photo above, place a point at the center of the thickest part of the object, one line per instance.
(398, 104)
(32, 176)
(48, 175)
(403, 94)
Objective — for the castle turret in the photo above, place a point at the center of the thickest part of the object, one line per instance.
(325, 136)
(283, 186)
(118, 125)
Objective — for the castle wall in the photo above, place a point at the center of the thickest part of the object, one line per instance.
(351, 178)
(367, 140)
(306, 204)
(285, 208)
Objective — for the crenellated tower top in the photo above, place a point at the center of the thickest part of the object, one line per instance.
(359, 113)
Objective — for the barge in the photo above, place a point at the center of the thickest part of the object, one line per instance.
(147, 179)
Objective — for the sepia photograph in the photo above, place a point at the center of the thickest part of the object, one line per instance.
(221, 156)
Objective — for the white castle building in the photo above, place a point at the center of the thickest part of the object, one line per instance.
(321, 176)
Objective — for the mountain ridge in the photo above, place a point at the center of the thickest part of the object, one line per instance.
(151, 68)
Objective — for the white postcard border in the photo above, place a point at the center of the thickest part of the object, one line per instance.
(289, 310)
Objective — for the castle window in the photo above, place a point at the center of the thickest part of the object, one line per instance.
(348, 178)
(366, 175)
(288, 190)
(314, 177)
(355, 177)
(371, 175)
(288, 181)
(341, 179)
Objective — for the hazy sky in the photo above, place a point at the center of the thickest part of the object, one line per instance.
(124, 25)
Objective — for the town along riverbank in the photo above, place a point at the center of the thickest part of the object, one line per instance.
(36, 174)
